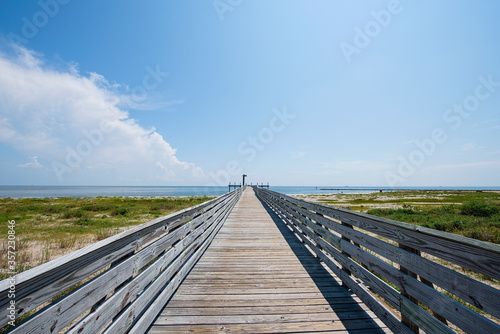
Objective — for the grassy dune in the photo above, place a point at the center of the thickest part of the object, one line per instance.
(50, 227)
(468, 213)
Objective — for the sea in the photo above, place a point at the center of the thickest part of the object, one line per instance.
(168, 191)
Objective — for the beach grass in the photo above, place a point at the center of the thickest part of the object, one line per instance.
(474, 219)
(474, 214)
(46, 228)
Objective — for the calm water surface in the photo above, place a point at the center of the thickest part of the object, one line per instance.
(137, 191)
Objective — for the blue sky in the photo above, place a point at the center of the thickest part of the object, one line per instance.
(378, 93)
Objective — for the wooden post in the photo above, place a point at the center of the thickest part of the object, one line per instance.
(434, 313)
(423, 280)
(343, 252)
(405, 319)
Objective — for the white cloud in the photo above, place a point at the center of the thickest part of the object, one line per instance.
(75, 123)
(33, 163)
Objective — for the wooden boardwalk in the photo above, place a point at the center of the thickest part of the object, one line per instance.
(232, 264)
(256, 277)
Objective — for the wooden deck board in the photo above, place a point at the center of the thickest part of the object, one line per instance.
(256, 277)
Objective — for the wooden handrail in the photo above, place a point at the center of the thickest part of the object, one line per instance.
(134, 269)
(405, 277)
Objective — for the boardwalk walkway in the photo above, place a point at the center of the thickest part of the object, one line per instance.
(256, 277)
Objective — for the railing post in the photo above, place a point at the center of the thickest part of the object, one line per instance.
(423, 280)
(344, 252)
(404, 318)
(434, 313)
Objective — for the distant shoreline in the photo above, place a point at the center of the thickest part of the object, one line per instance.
(419, 189)
(192, 191)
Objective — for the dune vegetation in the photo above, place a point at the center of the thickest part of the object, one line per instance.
(46, 228)
(474, 214)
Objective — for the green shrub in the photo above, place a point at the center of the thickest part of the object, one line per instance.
(83, 221)
(98, 207)
(119, 211)
(54, 209)
(485, 233)
(74, 214)
(479, 208)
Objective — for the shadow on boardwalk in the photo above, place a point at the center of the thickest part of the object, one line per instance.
(349, 311)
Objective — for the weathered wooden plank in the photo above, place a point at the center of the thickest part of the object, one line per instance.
(450, 309)
(155, 307)
(39, 284)
(157, 304)
(266, 283)
(380, 310)
(267, 296)
(256, 276)
(123, 322)
(470, 290)
(455, 312)
(264, 291)
(259, 318)
(348, 326)
(475, 292)
(60, 314)
(320, 300)
(476, 255)
(414, 313)
(109, 309)
(227, 277)
(478, 294)
(265, 310)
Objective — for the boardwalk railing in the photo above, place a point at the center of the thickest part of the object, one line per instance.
(119, 284)
(400, 263)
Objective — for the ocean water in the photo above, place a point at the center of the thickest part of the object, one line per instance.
(151, 191)
(107, 191)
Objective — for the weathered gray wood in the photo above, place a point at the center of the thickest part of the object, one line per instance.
(124, 321)
(413, 326)
(339, 327)
(480, 256)
(434, 313)
(256, 264)
(458, 314)
(258, 310)
(136, 293)
(42, 283)
(62, 313)
(39, 284)
(478, 294)
(113, 306)
(259, 318)
(380, 310)
(156, 306)
(462, 316)
(414, 312)
(369, 279)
